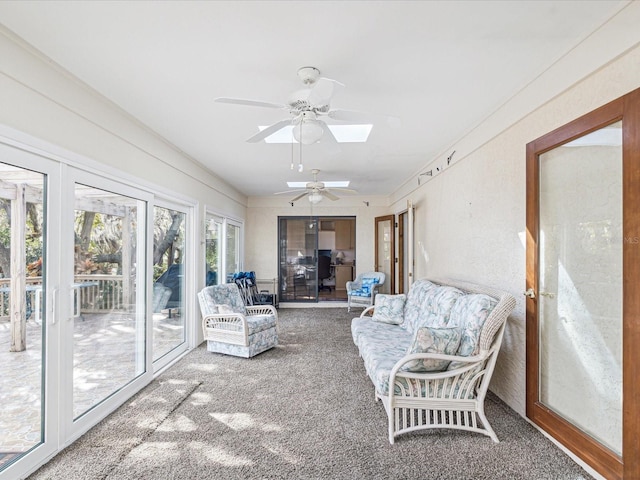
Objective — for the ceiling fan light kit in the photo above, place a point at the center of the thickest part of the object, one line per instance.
(315, 197)
(305, 106)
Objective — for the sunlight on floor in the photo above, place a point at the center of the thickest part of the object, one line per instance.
(218, 455)
(243, 421)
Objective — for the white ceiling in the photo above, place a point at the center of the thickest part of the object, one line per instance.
(440, 66)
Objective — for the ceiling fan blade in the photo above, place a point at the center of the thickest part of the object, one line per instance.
(294, 190)
(329, 139)
(268, 131)
(342, 190)
(250, 103)
(299, 197)
(329, 195)
(363, 117)
(323, 90)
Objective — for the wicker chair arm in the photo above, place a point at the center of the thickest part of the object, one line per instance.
(229, 327)
(367, 312)
(470, 363)
(352, 285)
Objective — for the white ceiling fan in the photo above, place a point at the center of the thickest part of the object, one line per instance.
(306, 107)
(316, 190)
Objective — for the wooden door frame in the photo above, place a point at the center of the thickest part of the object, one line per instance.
(607, 463)
(390, 218)
(400, 250)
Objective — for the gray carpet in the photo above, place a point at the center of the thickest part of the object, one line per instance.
(304, 410)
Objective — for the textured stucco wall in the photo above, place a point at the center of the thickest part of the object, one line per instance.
(470, 218)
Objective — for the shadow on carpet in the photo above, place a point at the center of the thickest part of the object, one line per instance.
(304, 410)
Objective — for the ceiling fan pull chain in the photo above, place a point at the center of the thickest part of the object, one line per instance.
(292, 150)
(300, 167)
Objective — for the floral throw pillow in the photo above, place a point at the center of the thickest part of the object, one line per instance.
(389, 308)
(433, 340)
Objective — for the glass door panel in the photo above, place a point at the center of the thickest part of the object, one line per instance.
(298, 259)
(213, 260)
(232, 249)
(580, 283)
(385, 242)
(107, 307)
(23, 316)
(168, 275)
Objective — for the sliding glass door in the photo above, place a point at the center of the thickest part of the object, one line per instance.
(28, 331)
(298, 259)
(169, 253)
(106, 293)
(73, 311)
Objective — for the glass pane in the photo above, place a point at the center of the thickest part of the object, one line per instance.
(580, 286)
(385, 231)
(213, 261)
(107, 303)
(232, 255)
(22, 311)
(168, 287)
(298, 257)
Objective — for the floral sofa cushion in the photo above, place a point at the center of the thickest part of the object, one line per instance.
(416, 303)
(440, 303)
(225, 294)
(259, 323)
(432, 340)
(389, 308)
(364, 330)
(470, 312)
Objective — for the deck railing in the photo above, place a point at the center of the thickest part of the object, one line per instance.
(102, 293)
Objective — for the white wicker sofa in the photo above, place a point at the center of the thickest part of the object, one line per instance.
(433, 390)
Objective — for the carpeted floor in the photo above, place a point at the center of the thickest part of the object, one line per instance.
(304, 410)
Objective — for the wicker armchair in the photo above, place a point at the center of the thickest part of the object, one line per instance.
(362, 291)
(232, 328)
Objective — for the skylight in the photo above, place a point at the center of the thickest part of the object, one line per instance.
(334, 184)
(343, 134)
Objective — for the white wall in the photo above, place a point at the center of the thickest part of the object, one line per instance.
(45, 102)
(470, 219)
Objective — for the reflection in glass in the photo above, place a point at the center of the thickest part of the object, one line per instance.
(232, 258)
(168, 285)
(213, 261)
(580, 289)
(385, 232)
(22, 312)
(108, 316)
(298, 265)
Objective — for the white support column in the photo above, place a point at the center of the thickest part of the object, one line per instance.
(18, 272)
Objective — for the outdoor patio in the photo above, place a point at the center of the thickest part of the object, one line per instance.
(104, 360)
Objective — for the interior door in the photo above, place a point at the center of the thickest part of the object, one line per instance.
(385, 251)
(583, 225)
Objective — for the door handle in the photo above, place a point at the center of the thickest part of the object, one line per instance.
(530, 293)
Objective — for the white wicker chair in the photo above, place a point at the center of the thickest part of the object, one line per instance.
(363, 297)
(232, 328)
